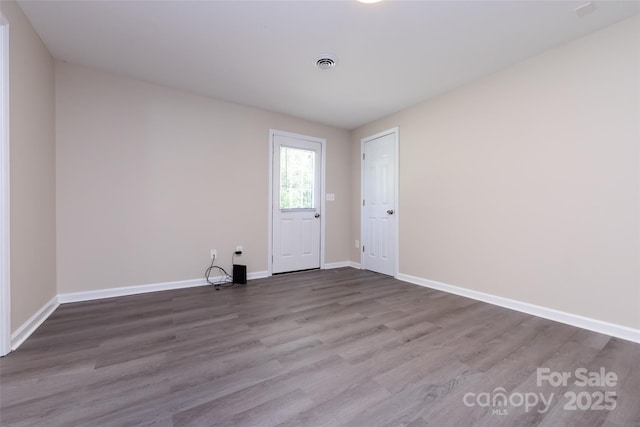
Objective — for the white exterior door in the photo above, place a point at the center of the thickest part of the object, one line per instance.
(296, 192)
(379, 216)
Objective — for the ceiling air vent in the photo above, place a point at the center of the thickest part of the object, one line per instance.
(326, 61)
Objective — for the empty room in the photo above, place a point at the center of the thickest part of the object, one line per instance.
(319, 213)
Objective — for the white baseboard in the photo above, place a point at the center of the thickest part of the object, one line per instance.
(257, 275)
(341, 264)
(130, 290)
(612, 329)
(30, 326)
(143, 289)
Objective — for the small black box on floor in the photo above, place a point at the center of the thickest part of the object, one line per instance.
(240, 274)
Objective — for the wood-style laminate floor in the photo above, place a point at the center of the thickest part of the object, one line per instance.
(322, 348)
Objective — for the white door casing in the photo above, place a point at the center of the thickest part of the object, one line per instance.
(379, 215)
(5, 302)
(296, 202)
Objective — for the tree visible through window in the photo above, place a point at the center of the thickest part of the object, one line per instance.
(297, 171)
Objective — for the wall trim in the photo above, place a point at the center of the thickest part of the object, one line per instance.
(258, 275)
(143, 289)
(130, 290)
(5, 189)
(341, 264)
(612, 329)
(30, 326)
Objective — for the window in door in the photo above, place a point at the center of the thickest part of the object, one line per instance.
(297, 178)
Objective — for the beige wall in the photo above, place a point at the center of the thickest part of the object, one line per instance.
(32, 132)
(525, 184)
(149, 179)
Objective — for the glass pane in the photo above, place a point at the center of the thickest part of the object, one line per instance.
(297, 170)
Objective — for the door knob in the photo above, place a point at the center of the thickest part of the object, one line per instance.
(390, 211)
(317, 215)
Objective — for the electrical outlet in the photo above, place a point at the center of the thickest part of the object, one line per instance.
(214, 253)
(239, 249)
(357, 244)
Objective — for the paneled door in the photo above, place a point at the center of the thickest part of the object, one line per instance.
(379, 216)
(296, 192)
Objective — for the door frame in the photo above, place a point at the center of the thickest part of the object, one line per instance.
(396, 225)
(5, 264)
(323, 148)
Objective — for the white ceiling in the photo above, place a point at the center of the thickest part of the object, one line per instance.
(391, 55)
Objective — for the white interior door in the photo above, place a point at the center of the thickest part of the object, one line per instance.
(296, 193)
(379, 216)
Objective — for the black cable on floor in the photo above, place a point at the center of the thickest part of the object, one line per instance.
(225, 281)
